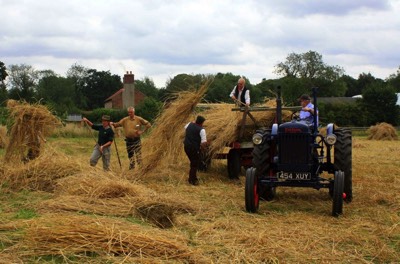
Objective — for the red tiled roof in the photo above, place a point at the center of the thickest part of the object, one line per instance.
(115, 94)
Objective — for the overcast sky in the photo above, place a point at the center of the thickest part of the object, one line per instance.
(160, 39)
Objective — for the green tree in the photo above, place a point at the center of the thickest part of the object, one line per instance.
(379, 104)
(147, 86)
(3, 88)
(307, 65)
(327, 88)
(3, 72)
(59, 93)
(78, 73)
(313, 72)
(351, 84)
(185, 82)
(394, 80)
(97, 87)
(23, 80)
(149, 108)
(366, 79)
(221, 87)
(291, 89)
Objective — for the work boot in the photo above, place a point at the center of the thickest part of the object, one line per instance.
(194, 182)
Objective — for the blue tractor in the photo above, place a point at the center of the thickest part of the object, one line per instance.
(296, 154)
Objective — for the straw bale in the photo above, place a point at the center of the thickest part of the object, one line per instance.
(29, 125)
(3, 137)
(64, 234)
(120, 207)
(98, 184)
(41, 173)
(156, 212)
(164, 144)
(223, 125)
(160, 214)
(382, 131)
(109, 195)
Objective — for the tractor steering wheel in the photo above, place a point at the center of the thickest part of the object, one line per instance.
(295, 116)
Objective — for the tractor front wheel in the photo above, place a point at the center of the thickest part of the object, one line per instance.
(343, 159)
(338, 187)
(252, 198)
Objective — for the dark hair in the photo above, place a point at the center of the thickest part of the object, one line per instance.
(305, 97)
(200, 119)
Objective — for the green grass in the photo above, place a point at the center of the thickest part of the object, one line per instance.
(25, 213)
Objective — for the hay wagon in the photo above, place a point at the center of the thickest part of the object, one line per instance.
(238, 153)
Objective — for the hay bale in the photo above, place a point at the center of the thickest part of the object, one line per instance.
(63, 235)
(40, 174)
(223, 125)
(103, 194)
(119, 207)
(382, 131)
(29, 125)
(164, 144)
(160, 214)
(99, 185)
(3, 137)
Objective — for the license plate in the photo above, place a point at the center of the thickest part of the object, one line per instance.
(295, 176)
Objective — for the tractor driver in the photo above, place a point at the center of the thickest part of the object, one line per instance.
(307, 112)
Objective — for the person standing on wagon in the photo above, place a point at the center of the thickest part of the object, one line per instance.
(240, 94)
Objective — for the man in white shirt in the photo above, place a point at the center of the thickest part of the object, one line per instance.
(240, 94)
(195, 138)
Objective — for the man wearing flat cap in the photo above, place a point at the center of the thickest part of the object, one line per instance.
(105, 139)
(307, 112)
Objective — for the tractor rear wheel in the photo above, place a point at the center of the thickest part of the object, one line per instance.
(343, 159)
(252, 198)
(337, 203)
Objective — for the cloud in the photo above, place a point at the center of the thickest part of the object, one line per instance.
(160, 39)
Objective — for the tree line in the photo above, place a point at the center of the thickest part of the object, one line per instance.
(83, 90)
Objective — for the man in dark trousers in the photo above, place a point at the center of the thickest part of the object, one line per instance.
(132, 125)
(195, 140)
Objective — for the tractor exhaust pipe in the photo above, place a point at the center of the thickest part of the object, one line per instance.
(278, 106)
(315, 116)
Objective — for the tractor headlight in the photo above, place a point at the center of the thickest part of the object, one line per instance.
(257, 139)
(330, 139)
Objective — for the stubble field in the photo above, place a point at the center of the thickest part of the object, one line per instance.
(58, 209)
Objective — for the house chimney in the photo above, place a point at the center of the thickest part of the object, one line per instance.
(128, 94)
(129, 77)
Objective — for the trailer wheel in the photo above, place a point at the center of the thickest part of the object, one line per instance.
(343, 159)
(338, 187)
(251, 191)
(234, 164)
